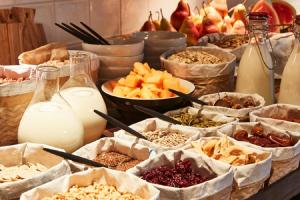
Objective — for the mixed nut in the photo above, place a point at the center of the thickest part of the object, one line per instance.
(257, 137)
(195, 120)
(195, 57)
(116, 160)
(166, 137)
(180, 176)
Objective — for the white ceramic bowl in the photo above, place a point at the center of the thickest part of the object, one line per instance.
(107, 61)
(119, 47)
(161, 38)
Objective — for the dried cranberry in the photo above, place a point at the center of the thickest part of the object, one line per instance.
(180, 176)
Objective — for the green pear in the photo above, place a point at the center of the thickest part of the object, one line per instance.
(157, 21)
(165, 25)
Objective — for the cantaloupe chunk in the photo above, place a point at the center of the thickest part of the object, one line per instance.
(136, 93)
(152, 87)
(118, 91)
(171, 83)
(132, 81)
(122, 91)
(155, 78)
(141, 69)
(147, 94)
(121, 81)
(167, 75)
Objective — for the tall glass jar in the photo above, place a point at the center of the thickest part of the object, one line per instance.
(48, 122)
(290, 81)
(255, 72)
(84, 97)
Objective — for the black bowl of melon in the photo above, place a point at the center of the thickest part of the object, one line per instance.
(146, 87)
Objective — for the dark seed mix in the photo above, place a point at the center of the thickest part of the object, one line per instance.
(116, 160)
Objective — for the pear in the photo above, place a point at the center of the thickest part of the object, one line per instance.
(222, 27)
(238, 27)
(210, 25)
(239, 13)
(220, 6)
(165, 25)
(188, 27)
(211, 13)
(197, 20)
(227, 21)
(157, 21)
(148, 25)
(180, 14)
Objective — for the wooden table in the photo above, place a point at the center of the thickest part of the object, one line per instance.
(284, 189)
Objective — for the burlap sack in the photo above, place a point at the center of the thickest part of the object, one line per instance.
(154, 124)
(33, 153)
(281, 110)
(215, 189)
(130, 148)
(124, 182)
(248, 179)
(242, 114)
(207, 114)
(284, 159)
(207, 78)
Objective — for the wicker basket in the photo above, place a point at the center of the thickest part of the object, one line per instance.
(14, 99)
(247, 191)
(283, 168)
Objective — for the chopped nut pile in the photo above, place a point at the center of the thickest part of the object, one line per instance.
(196, 120)
(195, 57)
(16, 173)
(94, 192)
(166, 137)
(116, 160)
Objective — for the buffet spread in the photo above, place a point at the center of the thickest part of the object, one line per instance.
(210, 122)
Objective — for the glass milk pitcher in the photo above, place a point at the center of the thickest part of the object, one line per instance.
(83, 96)
(255, 72)
(48, 122)
(290, 81)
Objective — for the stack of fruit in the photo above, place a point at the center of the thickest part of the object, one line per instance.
(213, 17)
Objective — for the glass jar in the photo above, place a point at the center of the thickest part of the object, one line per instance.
(48, 122)
(84, 97)
(255, 71)
(290, 82)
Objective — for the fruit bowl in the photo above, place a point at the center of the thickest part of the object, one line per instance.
(159, 104)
